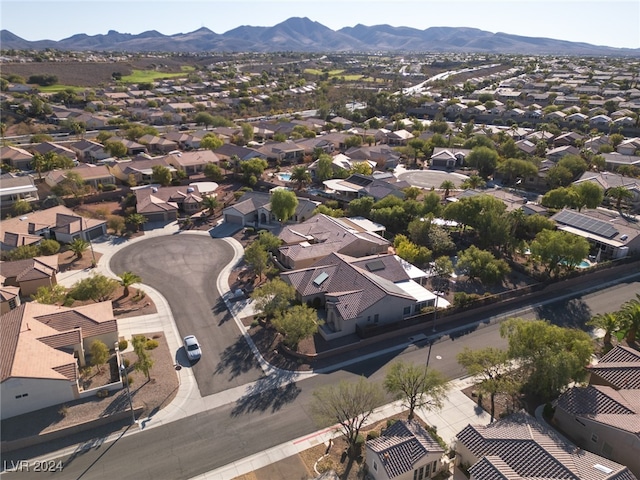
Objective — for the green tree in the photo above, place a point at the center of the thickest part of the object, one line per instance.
(24, 251)
(273, 298)
(447, 186)
(491, 366)
(161, 174)
(257, 258)
(50, 295)
(418, 386)
(609, 322)
(353, 141)
(115, 149)
(253, 168)
(484, 160)
(210, 203)
(213, 172)
(136, 219)
(21, 207)
(296, 324)
(550, 357)
(78, 246)
(324, 168)
(555, 248)
(559, 176)
(97, 287)
(127, 279)
(412, 253)
(442, 266)
(300, 175)
(361, 207)
(473, 182)
(363, 168)
(73, 184)
(247, 132)
(204, 118)
(574, 163)
(619, 194)
(115, 223)
(49, 247)
(269, 241)
(513, 168)
(630, 315)
(211, 142)
(283, 204)
(483, 265)
(590, 194)
(350, 404)
(561, 197)
(99, 354)
(145, 362)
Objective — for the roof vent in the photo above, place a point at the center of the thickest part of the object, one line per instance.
(190, 190)
(602, 468)
(154, 189)
(624, 237)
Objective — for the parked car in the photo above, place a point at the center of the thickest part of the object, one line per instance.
(192, 347)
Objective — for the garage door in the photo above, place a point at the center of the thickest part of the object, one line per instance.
(233, 219)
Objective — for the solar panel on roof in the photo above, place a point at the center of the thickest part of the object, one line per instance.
(588, 224)
(375, 265)
(320, 278)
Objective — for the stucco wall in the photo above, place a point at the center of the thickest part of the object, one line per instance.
(40, 393)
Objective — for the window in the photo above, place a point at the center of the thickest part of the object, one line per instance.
(418, 474)
(12, 303)
(22, 396)
(406, 311)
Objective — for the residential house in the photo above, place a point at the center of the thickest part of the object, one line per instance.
(604, 417)
(254, 209)
(42, 347)
(521, 447)
(383, 156)
(157, 144)
(315, 238)
(93, 175)
(141, 168)
(608, 180)
(448, 157)
(133, 148)
(179, 107)
(60, 223)
(577, 117)
(89, 152)
(358, 185)
(339, 163)
(399, 137)
(613, 161)
(14, 188)
(600, 121)
(227, 151)
(310, 145)
(49, 147)
(555, 154)
(610, 234)
(192, 162)
(569, 138)
(9, 297)
(30, 274)
(163, 204)
(526, 146)
(359, 293)
(16, 157)
(511, 200)
(289, 152)
(629, 146)
(404, 451)
(342, 122)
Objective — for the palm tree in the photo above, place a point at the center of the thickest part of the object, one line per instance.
(619, 194)
(127, 279)
(211, 203)
(631, 318)
(136, 219)
(78, 246)
(609, 322)
(473, 182)
(301, 176)
(447, 185)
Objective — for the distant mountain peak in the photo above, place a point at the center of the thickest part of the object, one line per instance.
(305, 35)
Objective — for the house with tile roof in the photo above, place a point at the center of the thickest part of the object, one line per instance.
(359, 293)
(9, 297)
(192, 162)
(30, 274)
(608, 180)
(16, 157)
(94, 175)
(254, 209)
(604, 417)
(60, 223)
(13, 188)
(378, 186)
(448, 158)
(163, 204)
(140, 167)
(610, 234)
(520, 447)
(404, 451)
(312, 240)
(42, 347)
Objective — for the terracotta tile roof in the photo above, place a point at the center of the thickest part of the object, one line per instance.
(533, 451)
(620, 367)
(33, 333)
(492, 467)
(30, 268)
(8, 292)
(402, 446)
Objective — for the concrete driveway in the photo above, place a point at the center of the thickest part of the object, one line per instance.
(184, 269)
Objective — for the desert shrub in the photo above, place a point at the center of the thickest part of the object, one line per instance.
(390, 422)
(151, 344)
(64, 411)
(254, 323)
(126, 363)
(130, 380)
(102, 393)
(372, 434)
(325, 465)
(123, 344)
(109, 187)
(463, 299)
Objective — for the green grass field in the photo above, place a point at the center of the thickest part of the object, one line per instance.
(60, 88)
(140, 76)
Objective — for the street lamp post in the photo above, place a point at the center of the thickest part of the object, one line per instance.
(93, 255)
(125, 380)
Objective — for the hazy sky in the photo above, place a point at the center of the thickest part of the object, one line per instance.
(613, 23)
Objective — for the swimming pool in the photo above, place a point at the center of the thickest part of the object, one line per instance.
(284, 177)
(584, 264)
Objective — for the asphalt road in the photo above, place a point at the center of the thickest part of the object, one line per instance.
(184, 269)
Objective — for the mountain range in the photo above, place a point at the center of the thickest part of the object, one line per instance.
(304, 35)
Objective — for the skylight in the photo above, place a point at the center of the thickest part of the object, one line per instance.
(320, 279)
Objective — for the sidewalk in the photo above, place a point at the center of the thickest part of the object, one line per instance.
(458, 410)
